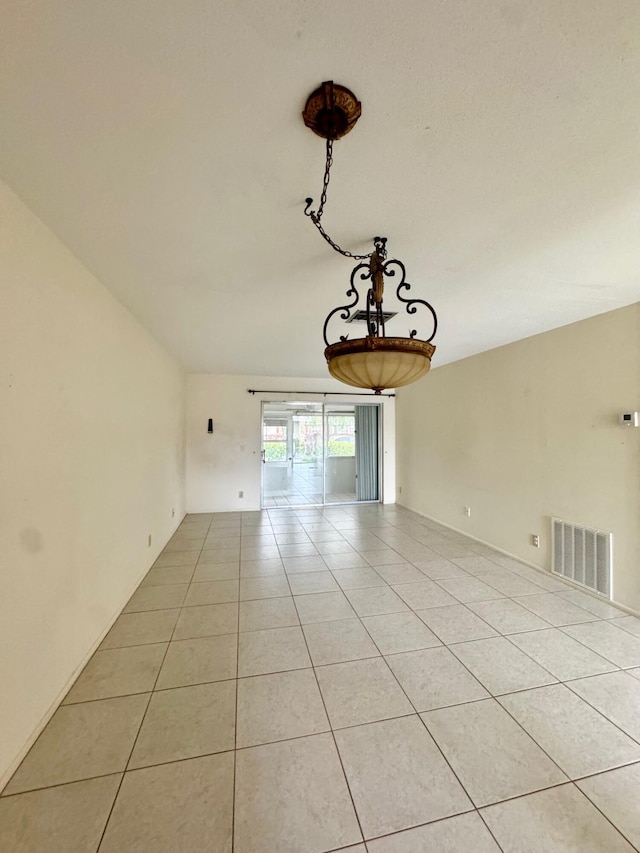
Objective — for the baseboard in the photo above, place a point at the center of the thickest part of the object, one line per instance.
(15, 763)
(518, 559)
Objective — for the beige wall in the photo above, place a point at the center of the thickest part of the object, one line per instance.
(91, 463)
(227, 462)
(529, 431)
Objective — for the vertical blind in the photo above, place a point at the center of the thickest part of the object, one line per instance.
(367, 487)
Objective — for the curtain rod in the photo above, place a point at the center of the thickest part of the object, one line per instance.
(318, 393)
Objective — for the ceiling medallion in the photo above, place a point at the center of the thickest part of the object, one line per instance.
(375, 361)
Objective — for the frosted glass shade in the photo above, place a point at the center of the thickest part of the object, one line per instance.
(379, 363)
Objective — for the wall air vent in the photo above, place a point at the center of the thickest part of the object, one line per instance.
(583, 555)
(361, 316)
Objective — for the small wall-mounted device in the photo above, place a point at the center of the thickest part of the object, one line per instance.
(629, 419)
(210, 426)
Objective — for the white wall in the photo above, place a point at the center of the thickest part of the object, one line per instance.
(227, 462)
(529, 431)
(91, 463)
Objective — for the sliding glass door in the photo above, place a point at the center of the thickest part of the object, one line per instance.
(315, 454)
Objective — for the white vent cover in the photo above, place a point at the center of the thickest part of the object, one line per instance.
(582, 555)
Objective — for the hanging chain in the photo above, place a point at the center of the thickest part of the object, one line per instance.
(316, 215)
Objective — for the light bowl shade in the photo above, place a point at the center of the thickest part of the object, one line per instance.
(379, 363)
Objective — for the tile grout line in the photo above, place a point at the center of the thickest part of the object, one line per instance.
(144, 715)
(333, 737)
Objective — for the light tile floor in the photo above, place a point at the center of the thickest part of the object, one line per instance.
(355, 679)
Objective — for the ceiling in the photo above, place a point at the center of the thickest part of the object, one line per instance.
(497, 150)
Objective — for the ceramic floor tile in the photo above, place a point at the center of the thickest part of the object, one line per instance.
(186, 722)
(475, 564)
(375, 601)
(628, 623)
(579, 739)
(187, 805)
(199, 660)
(439, 568)
(509, 583)
(358, 578)
(82, 741)
(118, 672)
(303, 583)
(252, 540)
(605, 639)
(397, 776)
(507, 616)
(598, 606)
(302, 550)
(361, 691)
(489, 752)
(65, 818)
(382, 557)
(207, 620)
(555, 610)
(323, 607)
(461, 834)
(310, 800)
(216, 541)
(291, 538)
(561, 655)
(469, 589)
(185, 542)
(219, 556)
(399, 632)
(340, 546)
(273, 650)
(177, 558)
(212, 592)
(292, 565)
(161, 576)
(434, 678)
(451, 550)
(422, 596)
(261, 568)
(261, 552)
(156, 598)
(345, 561)
(456, 624)
(561, 820)
(500, 666)
(279, 706)
(217, 572)
(403, 573)
(617, 794)
(137, 629)
(541, 578)
(317, 535)
(268, 613)
(334, 642)
(616, 695)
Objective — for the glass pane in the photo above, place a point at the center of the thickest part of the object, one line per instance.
(340, 466)
(292, 455)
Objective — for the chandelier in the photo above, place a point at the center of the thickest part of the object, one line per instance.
(374, 361)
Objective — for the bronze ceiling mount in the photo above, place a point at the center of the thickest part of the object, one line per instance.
(331, 111)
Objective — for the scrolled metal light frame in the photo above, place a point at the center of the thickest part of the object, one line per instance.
(375, 361)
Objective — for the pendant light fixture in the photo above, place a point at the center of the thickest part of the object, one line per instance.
(374, 361)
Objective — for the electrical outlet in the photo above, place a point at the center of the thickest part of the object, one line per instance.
(149, 540)
(535, 540)
(240, 494)
(467, 511)
(399, 490)
(173, 512)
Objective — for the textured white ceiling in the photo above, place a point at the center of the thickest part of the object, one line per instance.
(497, 150)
